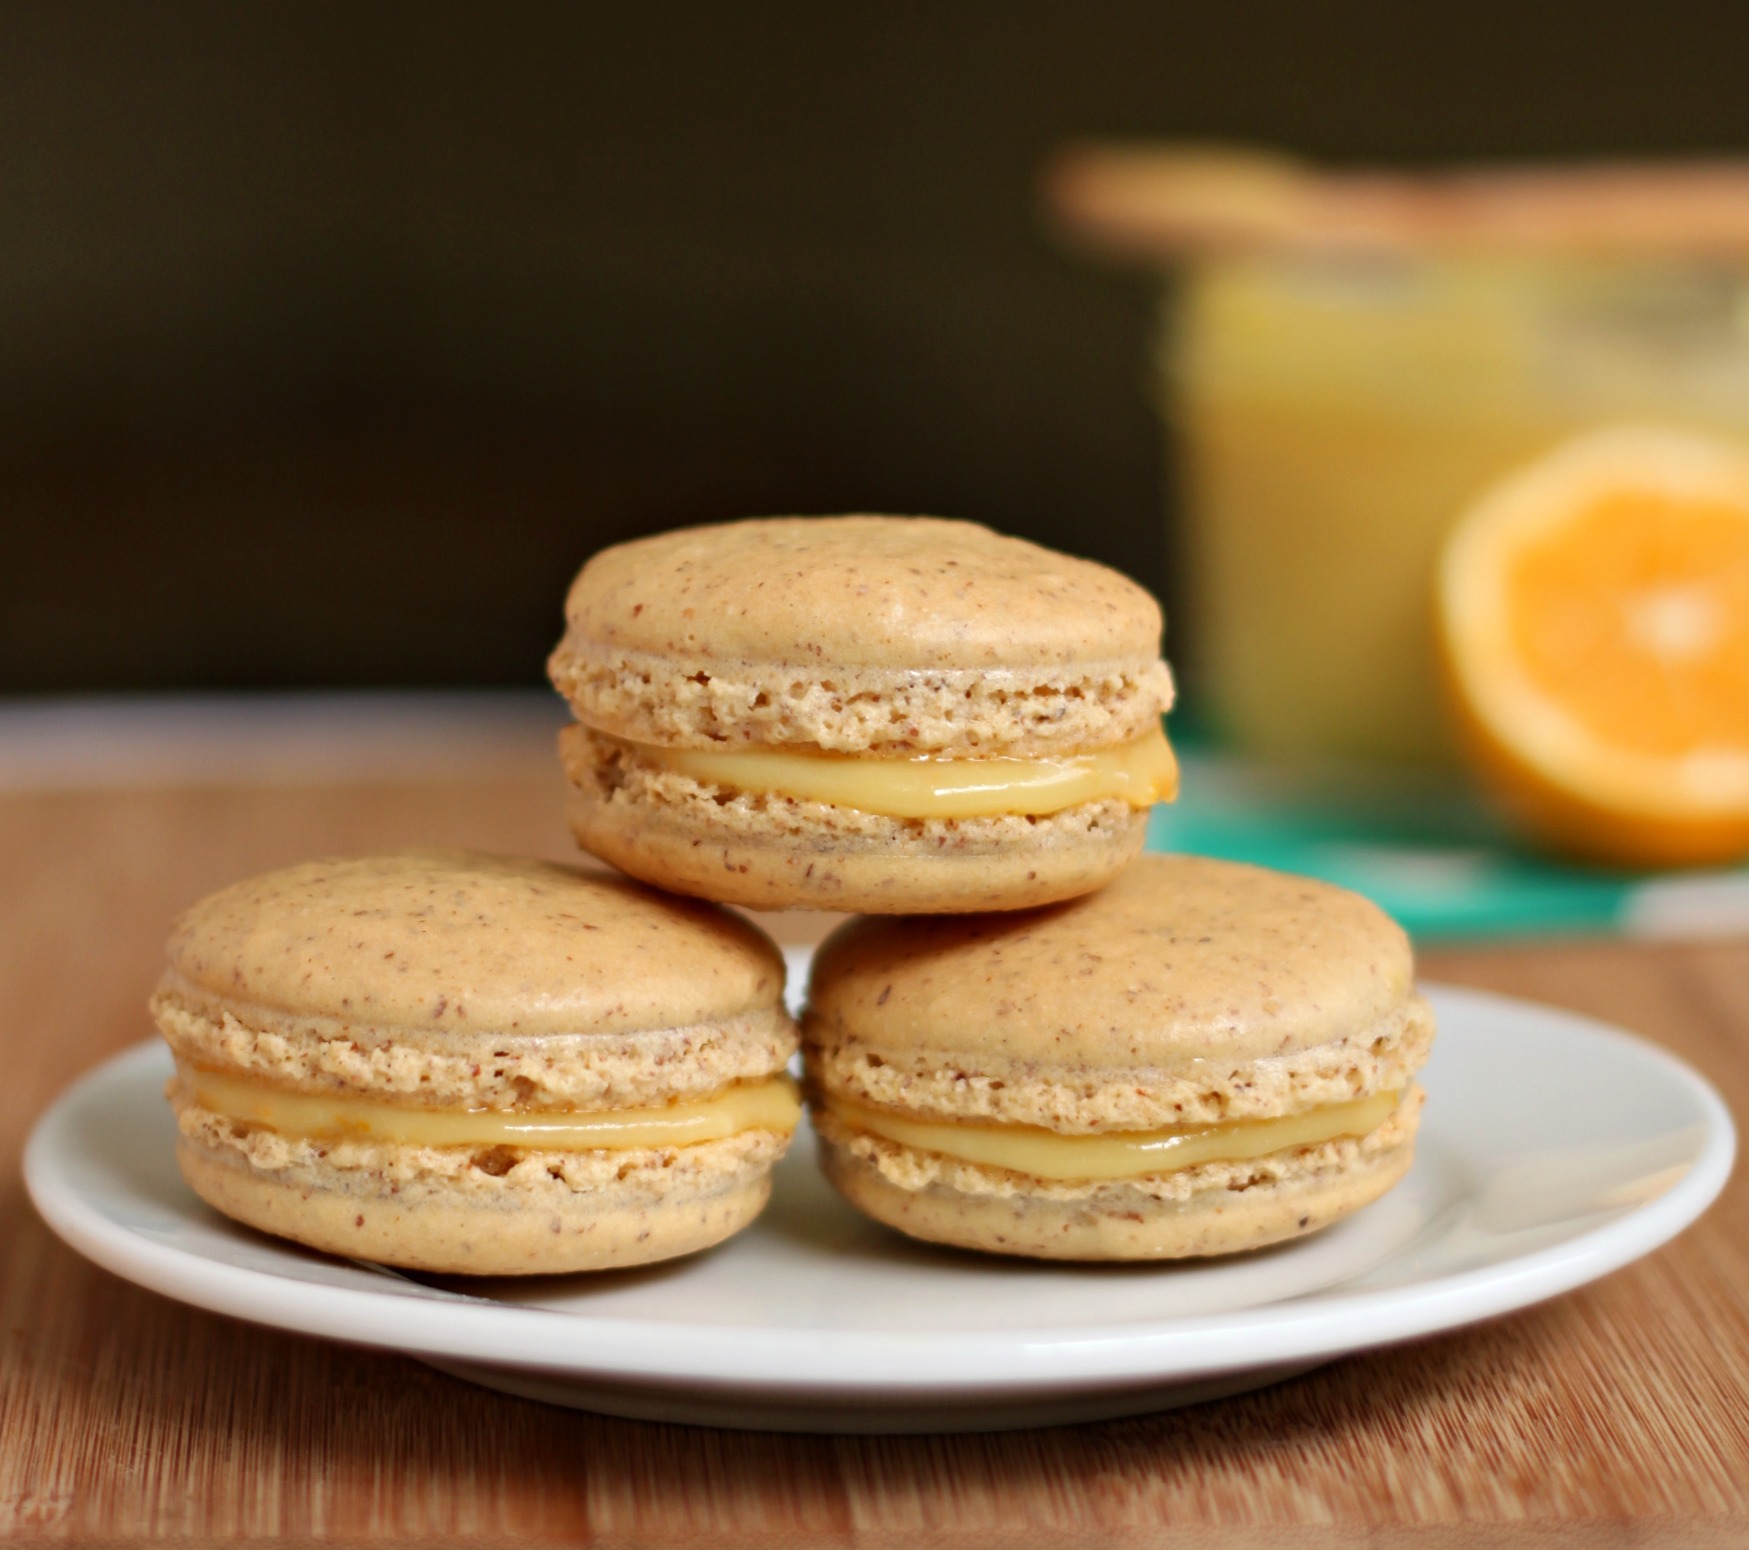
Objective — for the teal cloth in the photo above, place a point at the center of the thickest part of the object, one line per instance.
(1424, 847)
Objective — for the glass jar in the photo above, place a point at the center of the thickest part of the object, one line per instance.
(1334, 413)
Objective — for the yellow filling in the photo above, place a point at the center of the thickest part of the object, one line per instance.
(1141, 773)
(769, 1105)
(1122, 1155)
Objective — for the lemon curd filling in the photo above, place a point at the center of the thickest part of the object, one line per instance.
(1140, 773)
(1046, 1154)
(772, 1104)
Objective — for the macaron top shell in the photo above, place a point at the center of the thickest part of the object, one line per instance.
(428, 941)
(908, 593)
(860, 635)
(1181, 960)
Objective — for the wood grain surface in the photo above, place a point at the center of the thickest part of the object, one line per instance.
(1616, 1415)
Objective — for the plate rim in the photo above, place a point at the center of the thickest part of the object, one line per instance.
(821, 1363)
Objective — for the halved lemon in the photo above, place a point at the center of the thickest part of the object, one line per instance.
(1594, 619)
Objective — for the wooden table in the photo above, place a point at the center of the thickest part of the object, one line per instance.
(1617, 1415)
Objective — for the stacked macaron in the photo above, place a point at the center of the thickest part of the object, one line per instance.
(1029, 1041)
(889, 714)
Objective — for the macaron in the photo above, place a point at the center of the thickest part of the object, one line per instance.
(1202, 1058)
(867, 713)
(460, 1063)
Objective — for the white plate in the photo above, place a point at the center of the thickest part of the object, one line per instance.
(1553, 1151)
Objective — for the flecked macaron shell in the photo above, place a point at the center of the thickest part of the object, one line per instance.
(1223, 1209)
(1188, 993)
(437, 939)
(1180, 958)
(469, 986)
(859, 591)
(890, 638)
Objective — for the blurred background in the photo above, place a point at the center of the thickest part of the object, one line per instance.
(335, 337)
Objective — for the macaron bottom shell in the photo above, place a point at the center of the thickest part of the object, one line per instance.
(779, 853)
(492, 1225)
(1221, 1208)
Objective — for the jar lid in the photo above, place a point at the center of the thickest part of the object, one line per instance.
(1169, 202)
